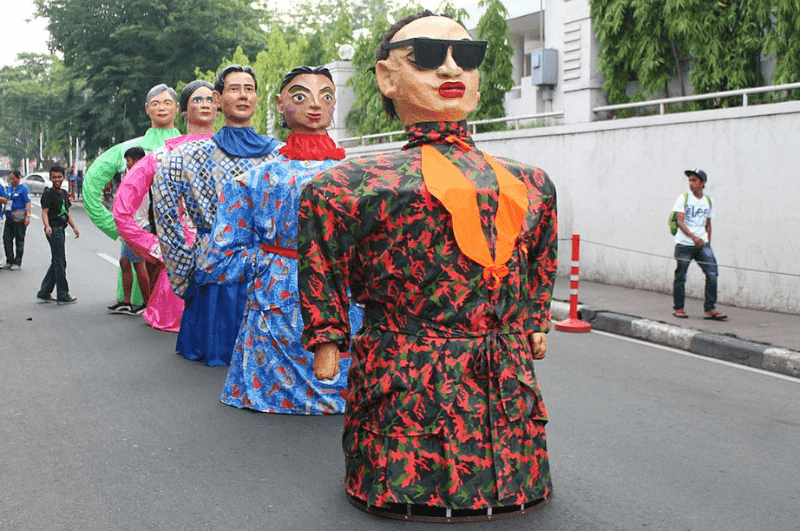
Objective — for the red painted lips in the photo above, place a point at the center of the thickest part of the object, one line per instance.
(452, 90)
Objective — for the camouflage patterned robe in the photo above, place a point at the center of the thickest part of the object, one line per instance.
(443, 408)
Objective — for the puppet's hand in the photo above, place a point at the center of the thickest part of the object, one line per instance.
(539, 345)
(326, 361)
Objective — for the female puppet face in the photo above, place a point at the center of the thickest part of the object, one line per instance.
(307, 103)
(200, 109)
(447, 92)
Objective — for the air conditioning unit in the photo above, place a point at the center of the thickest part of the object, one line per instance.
(544, 67)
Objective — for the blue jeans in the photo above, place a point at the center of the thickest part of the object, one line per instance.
(14, 232)
(704, 256)
(56, 276)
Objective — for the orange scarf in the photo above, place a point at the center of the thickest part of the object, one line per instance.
(458, 195)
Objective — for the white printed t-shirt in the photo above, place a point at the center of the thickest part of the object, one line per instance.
(697, 211)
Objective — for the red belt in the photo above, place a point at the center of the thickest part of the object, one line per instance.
(288, 252)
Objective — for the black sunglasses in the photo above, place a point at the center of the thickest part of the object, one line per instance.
(429, 54)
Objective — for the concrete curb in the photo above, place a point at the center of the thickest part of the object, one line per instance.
(750, 353)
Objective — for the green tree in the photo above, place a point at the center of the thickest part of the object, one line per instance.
(122, 49)
(496, 70)
(367, 116)
(720, 43)
(38, 102)
(724, 40)
(318, 27)
(270, 67)
(636, 45)
(784, 43)
(367, 13)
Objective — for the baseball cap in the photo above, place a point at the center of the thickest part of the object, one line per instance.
(699, 173)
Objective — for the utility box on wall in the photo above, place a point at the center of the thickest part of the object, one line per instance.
(544, 66)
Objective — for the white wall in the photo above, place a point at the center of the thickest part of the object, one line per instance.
(617, 181)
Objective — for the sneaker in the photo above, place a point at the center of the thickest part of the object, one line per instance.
(48, 298)
(126, 310)
(138, 310)
(7, 265)
(120, 307)
(14, 267)
(67, 300)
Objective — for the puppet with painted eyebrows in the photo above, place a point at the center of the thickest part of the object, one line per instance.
(255, 238)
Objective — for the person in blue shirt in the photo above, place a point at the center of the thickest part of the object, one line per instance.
(18, 216)
(3, 201)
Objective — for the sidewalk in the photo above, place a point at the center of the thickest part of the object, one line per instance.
(766, 340)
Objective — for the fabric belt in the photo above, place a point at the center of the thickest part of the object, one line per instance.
(288, 252)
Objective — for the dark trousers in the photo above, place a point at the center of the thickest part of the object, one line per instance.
(704, 256)
(56, 276)
(13, 233)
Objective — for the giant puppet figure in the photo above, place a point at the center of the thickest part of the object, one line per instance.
(192, 177)
(453, 254)
(255, 237)
(164, 309)
(161, 105)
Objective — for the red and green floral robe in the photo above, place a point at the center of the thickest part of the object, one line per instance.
(443, 405)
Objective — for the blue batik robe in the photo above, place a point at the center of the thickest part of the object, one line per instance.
(255, 237)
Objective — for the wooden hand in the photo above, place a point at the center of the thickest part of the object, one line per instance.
(326, 361)
(539, 345)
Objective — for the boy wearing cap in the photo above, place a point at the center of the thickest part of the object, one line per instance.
(693, 242)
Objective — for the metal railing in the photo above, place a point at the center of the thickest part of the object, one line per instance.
(662, 103)
(516, 120)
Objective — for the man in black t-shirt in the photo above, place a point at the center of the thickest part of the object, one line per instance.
(55, 215)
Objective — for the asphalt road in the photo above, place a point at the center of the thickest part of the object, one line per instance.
(103, 427)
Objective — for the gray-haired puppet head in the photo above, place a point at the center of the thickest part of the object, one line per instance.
(158, 89)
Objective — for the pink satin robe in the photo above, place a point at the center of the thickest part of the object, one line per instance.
(164, 309)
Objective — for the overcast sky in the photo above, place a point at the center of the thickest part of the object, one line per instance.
(17, 35)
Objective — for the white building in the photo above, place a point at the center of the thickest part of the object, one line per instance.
(555, 64)
(554, 67)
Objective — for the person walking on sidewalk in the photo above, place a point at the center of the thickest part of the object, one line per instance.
(18, 216)
(694, 211)
(55, 215)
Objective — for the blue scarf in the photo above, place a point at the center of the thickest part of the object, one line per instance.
(244, 142)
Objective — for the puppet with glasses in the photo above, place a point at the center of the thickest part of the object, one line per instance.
(453, 254)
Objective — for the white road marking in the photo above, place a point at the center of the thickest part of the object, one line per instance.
(697, 356)
(110, 259)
